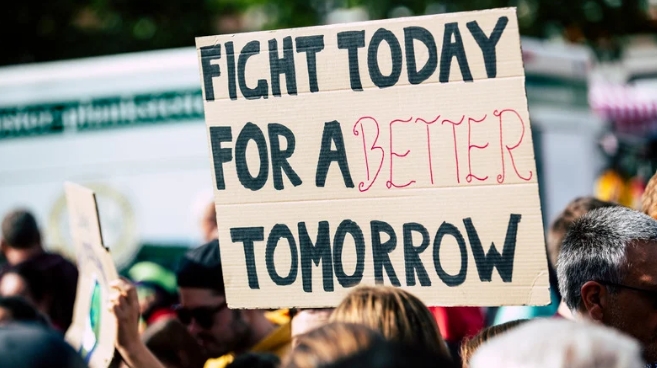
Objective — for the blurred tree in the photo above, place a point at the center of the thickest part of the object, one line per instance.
(34, 30)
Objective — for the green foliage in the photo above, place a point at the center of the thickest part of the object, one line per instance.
(35, 30)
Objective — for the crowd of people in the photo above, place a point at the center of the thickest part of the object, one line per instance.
(602, 259)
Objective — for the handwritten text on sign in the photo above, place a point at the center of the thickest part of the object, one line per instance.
(400, 153)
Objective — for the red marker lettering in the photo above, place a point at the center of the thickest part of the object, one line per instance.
(390, 182)
(456, 151)
(362, 186)
(502, 176)
(470, 175)
(429, 142)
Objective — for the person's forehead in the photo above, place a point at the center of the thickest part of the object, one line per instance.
(641, 257)
(12, 284)
(199, 297)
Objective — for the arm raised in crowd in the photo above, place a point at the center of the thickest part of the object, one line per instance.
(124, 304)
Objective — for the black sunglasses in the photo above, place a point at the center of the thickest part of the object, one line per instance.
(652, 294)
(204, 316)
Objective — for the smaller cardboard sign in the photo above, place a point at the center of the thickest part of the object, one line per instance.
(93, 331)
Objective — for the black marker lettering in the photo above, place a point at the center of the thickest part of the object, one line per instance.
(261, 90)
(220, 155)
(424, 36)
(279, 157)
(320, 252)
(381, 251)
(449, 280)
(248, 235)
(487, 261)
(230, 57)
(352, 41)
(209, 53)
(349, 227)
(251, 132)
(412, 254)
(378, 78)
(451, 49)
(311, 45)
(279, 232)
(332, 133)
(284, 65)
(487, 44)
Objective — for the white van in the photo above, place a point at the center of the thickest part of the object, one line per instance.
(129, 126)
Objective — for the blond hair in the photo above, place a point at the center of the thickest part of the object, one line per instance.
(395, 313)
(329, 343)
(469, 346)
(649, 198)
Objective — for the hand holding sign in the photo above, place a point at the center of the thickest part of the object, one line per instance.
(124, 304)
(401, 154)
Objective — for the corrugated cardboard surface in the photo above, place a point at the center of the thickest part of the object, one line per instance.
(94, 264)
(427, 153)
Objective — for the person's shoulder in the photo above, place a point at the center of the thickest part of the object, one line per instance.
(53, 263)
(278, 342)
(60, 261)
(34, 345)
(278, 316)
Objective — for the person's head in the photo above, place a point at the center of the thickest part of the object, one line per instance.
(329, 343)
(391, 354)
(218, 329)
(172, 345)
(305, 320)
(558, 343)
(26, 281)
(19, 231)
(469, 346)
(17, 309)
(30, 346)
(396, 314)
(560, 226)
(209, 222)
(156, 287)
(649, 198)
(607, 272)
(255, 360)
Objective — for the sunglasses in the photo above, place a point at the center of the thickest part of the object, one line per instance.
(204, 316)
(651, 294)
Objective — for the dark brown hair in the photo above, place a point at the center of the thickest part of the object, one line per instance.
(330, 343)
(20, 230)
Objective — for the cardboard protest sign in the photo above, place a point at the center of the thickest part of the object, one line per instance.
(93, 331)
(392, 152)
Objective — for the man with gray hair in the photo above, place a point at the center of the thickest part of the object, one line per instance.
(607, 271)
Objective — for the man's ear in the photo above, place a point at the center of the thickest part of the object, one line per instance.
(594, 300)
(3, 245)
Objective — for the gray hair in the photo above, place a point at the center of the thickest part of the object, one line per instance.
(595, 248)
(555, 343)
